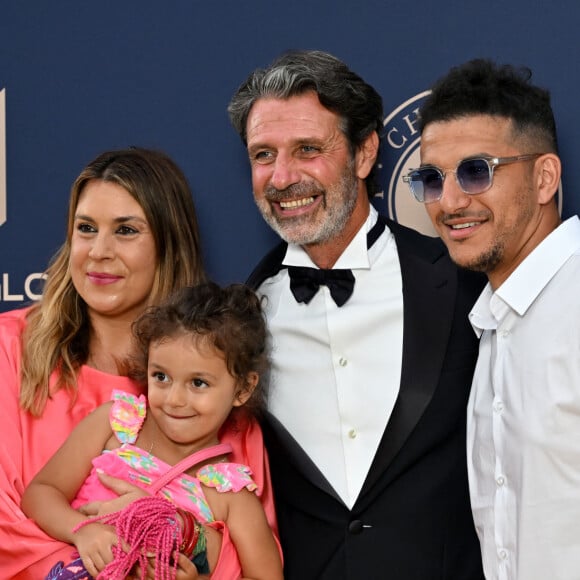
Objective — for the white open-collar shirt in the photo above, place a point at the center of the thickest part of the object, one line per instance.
(336, 371)
(523, 433)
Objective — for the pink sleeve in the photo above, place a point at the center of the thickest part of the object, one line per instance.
(247, 442)
(26, 444)
(226, 477)
(127, 415)
(22, 543)
(11, 326)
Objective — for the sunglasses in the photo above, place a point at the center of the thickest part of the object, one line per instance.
(473, 175)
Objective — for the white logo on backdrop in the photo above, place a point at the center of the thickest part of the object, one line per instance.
(400, 152)
(32, 287)
(2, 156)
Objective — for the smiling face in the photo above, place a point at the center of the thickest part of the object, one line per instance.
(113, 256)
(190, 391)
(494, 231)
(307, 184)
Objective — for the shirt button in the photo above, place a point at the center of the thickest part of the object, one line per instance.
(498, 406)
(352, 433)
(355, 527)
(342, 362)
(505, 333)
(502, 554)
(500, 480)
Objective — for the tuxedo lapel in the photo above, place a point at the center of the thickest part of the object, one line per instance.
(283, 447)
(279, 441)
(429, 288)
(268, 266)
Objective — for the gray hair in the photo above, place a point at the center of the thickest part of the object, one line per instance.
(340, 90)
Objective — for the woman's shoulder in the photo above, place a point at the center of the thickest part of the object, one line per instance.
(12, 322)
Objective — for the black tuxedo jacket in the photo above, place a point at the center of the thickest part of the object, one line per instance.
(412, 519)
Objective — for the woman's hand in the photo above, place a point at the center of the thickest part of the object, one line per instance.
(126, 491)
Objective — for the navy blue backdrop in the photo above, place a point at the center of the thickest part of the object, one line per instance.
(77, 78)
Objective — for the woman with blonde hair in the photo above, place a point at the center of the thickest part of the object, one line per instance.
(132, 239)
(58, 330)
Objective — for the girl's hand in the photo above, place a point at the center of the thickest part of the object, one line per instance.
(126, 491)
(94, 543)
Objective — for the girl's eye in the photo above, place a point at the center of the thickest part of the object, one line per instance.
(160, 377)
(200, 384)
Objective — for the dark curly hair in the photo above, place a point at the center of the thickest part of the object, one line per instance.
(230, 318)
(482, 87)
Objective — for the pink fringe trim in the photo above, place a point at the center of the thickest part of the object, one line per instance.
(148, 525)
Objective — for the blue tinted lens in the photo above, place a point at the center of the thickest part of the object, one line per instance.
(474, 175)
(427, 183)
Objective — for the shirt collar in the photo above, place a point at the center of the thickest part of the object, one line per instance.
(528, 280)
(354, 256)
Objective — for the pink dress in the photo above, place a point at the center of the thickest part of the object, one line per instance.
(136, 466)
(26, 444)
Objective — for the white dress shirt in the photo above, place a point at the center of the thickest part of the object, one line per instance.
(336, 371)
(523, 431)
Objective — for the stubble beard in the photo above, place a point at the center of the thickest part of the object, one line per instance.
(488, 260)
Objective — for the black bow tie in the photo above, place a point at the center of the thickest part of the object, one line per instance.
(305, 282)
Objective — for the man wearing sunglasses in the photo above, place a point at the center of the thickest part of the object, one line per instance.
(372, 353)
(489, 176)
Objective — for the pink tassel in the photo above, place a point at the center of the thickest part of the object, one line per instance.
(148, 525)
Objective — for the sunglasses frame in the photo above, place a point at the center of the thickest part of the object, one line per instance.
(492, 163)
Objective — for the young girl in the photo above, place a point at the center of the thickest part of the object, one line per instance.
(202, 354)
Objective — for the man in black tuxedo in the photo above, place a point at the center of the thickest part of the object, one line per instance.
(372, 351)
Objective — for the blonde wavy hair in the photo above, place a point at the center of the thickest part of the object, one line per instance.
(56, 336)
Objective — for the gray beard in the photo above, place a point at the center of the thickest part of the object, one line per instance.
(342, 196)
